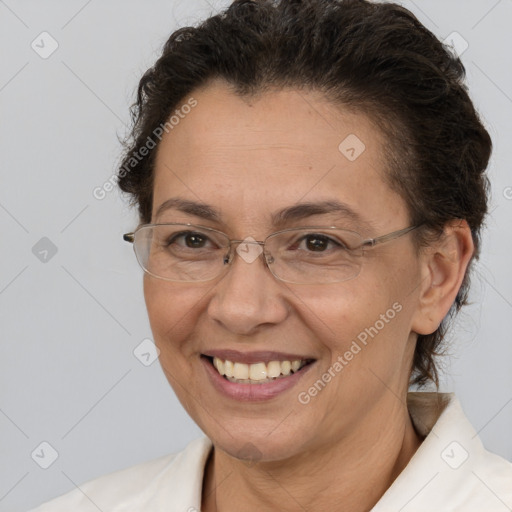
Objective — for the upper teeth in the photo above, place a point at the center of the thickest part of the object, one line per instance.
(256, 371)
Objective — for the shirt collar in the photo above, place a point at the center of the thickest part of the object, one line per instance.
(440, 476)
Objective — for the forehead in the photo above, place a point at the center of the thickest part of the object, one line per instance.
(251, 156)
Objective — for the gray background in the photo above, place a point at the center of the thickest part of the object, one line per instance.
(70, 322)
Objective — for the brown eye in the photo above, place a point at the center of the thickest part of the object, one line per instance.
(195, 240)
(317, 243)
(188, 239)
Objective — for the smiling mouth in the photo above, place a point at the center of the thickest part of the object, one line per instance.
(257, 373)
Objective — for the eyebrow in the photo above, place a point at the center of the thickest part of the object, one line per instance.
(286, 215)
(304, 210)
(202, 210)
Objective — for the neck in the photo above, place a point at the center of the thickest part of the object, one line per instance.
(355, 471)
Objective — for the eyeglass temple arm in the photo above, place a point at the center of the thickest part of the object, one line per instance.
(129, 237)
(386, 238)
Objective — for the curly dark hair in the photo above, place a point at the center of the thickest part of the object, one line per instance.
(374, 58)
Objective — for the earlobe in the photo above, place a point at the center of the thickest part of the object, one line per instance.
(443, 268)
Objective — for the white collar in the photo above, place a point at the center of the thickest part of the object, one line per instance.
(451, 468)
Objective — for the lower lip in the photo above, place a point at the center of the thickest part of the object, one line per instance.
(252, 392)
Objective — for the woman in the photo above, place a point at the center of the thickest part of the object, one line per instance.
(310, 178)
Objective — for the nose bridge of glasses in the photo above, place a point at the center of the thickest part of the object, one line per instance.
(245, 252)
(248, 240)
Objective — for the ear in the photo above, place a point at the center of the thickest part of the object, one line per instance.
(443, 266)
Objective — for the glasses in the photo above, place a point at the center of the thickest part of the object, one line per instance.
(310, 255)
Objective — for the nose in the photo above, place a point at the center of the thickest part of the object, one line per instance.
(248, 297)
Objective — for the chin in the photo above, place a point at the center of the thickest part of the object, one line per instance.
(261, 441)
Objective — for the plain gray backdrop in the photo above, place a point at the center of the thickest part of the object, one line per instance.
(71, 306)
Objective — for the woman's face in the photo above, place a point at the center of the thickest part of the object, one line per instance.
(247, 160)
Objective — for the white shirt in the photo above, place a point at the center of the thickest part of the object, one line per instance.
(450, 471)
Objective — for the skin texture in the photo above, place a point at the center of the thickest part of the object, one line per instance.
(247, 158)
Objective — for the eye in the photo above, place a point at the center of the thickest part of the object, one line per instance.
(188, 239)
(316, 242)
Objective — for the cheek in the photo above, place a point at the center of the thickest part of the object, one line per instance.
(385, 305)
(354, 315)
(172, 311)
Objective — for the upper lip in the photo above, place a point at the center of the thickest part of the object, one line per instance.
(260, 356)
